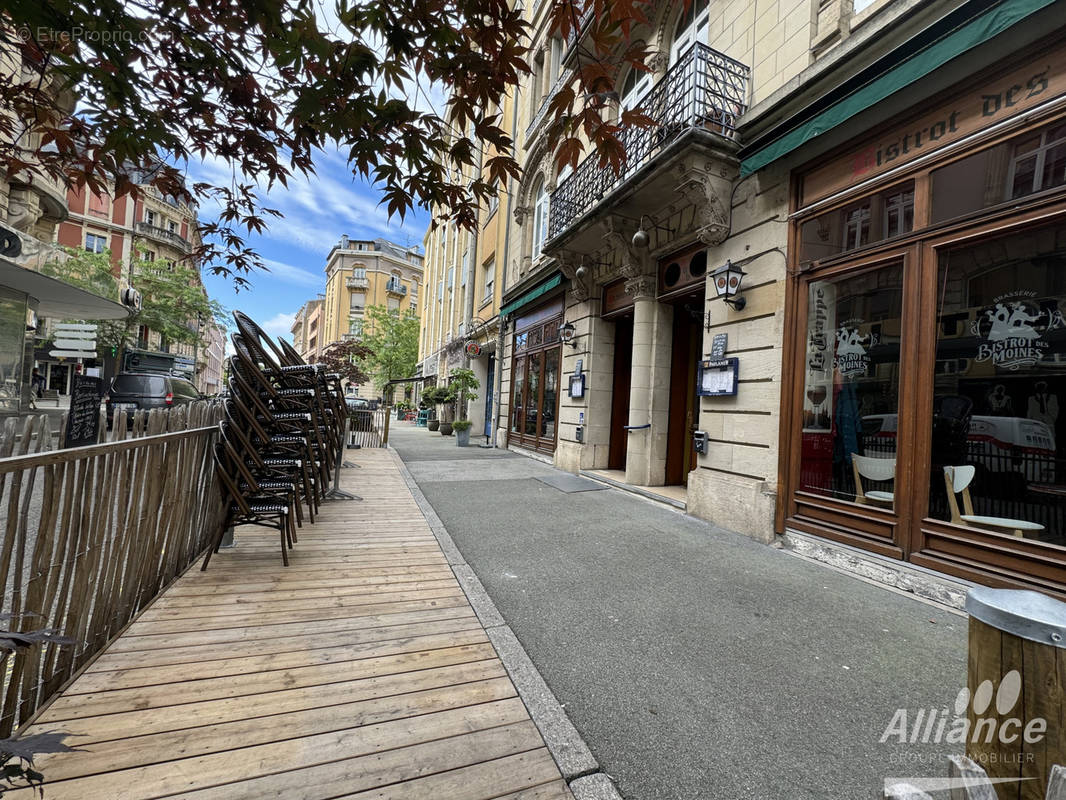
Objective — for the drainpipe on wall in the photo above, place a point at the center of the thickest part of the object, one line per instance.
(498, 377)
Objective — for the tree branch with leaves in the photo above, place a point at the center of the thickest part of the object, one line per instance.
(261, 86)
(173, 300)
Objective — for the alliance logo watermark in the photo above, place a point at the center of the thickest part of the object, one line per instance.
(991, 722)
(941, 726)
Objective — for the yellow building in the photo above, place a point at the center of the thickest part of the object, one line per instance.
(305, 329)
(362, 273)
(464, 278)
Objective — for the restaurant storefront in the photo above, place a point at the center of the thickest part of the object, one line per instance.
(925, 339)
(536, 363)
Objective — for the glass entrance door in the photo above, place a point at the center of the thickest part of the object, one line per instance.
(535, 386)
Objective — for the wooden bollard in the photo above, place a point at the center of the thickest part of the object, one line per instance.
(1016, 683)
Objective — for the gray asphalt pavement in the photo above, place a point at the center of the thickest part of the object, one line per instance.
(695, 662)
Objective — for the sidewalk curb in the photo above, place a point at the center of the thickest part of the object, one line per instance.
(573, 757)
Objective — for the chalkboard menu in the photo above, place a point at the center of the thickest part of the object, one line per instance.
(83, 421)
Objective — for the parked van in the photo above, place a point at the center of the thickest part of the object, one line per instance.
(999, 444)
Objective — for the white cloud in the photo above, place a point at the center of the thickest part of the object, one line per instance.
(280, 325)
(317, 209)
(291, 274)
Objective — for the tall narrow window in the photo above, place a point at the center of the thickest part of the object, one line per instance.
(490, 275)
(540, 217)
(634, 88)
(691, 27)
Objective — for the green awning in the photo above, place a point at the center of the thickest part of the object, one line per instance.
(532, 294)
(980, 30)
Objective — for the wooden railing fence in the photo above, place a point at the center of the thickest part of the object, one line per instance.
(92, 534)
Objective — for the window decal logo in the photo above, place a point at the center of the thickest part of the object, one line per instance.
(851, 356)
(1013, 329)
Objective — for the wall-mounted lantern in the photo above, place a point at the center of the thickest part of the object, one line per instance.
(567, 333)
(727, 279)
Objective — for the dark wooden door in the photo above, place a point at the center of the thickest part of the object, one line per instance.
(680, 453)
(623, 367)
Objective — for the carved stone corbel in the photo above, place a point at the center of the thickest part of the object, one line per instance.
(576, 272)
(709, 193)
(520, 214)
(23, 209)
(618, 233)
(657, 61)
(641, 287)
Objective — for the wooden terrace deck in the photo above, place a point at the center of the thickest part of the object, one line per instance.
(358, 671)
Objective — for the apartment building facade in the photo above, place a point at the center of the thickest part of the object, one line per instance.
(149, 227)
(464, 281)
(361, 273)
(306, 334)
(889, 178)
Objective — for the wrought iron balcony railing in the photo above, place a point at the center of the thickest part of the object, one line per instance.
(356, 283)
(543, 109)
(394, 286)
(162, 235)
(703, 90)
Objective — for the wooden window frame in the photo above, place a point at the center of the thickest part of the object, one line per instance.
(547, 331)
(907, 532)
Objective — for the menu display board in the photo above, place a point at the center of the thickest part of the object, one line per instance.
(83, 420)
(718, 377)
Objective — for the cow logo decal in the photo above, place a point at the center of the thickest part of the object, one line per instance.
(1013, 330)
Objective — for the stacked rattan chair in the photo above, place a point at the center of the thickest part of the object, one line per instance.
(280, 439)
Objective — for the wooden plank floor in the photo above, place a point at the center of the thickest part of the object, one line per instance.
(358, 671)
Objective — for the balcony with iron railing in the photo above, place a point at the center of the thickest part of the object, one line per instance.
(162, 235)
(393, 286)
(356, 283)
(699, 99)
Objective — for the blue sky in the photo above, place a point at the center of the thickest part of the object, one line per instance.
(317, 211)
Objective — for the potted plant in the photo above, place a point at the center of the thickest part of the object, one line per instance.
(430, 399)
(447, 399)
(462, 432)
(462, 384)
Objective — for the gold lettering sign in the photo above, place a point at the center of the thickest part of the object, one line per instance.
(997, 100)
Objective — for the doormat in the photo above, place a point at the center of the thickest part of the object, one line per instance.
(571, 483)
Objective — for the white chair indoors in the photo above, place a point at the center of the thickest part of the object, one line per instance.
(958, 480)
(873, 469)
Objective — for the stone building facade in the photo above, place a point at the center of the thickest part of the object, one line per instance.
(465, 273)
(818, 147)
(150, 227)
(305, 329)
(362, 273)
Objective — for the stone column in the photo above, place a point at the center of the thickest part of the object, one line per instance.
(649, 394)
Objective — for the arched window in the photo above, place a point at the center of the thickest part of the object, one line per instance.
(634, 88)
(691, 27)
(540, 217)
